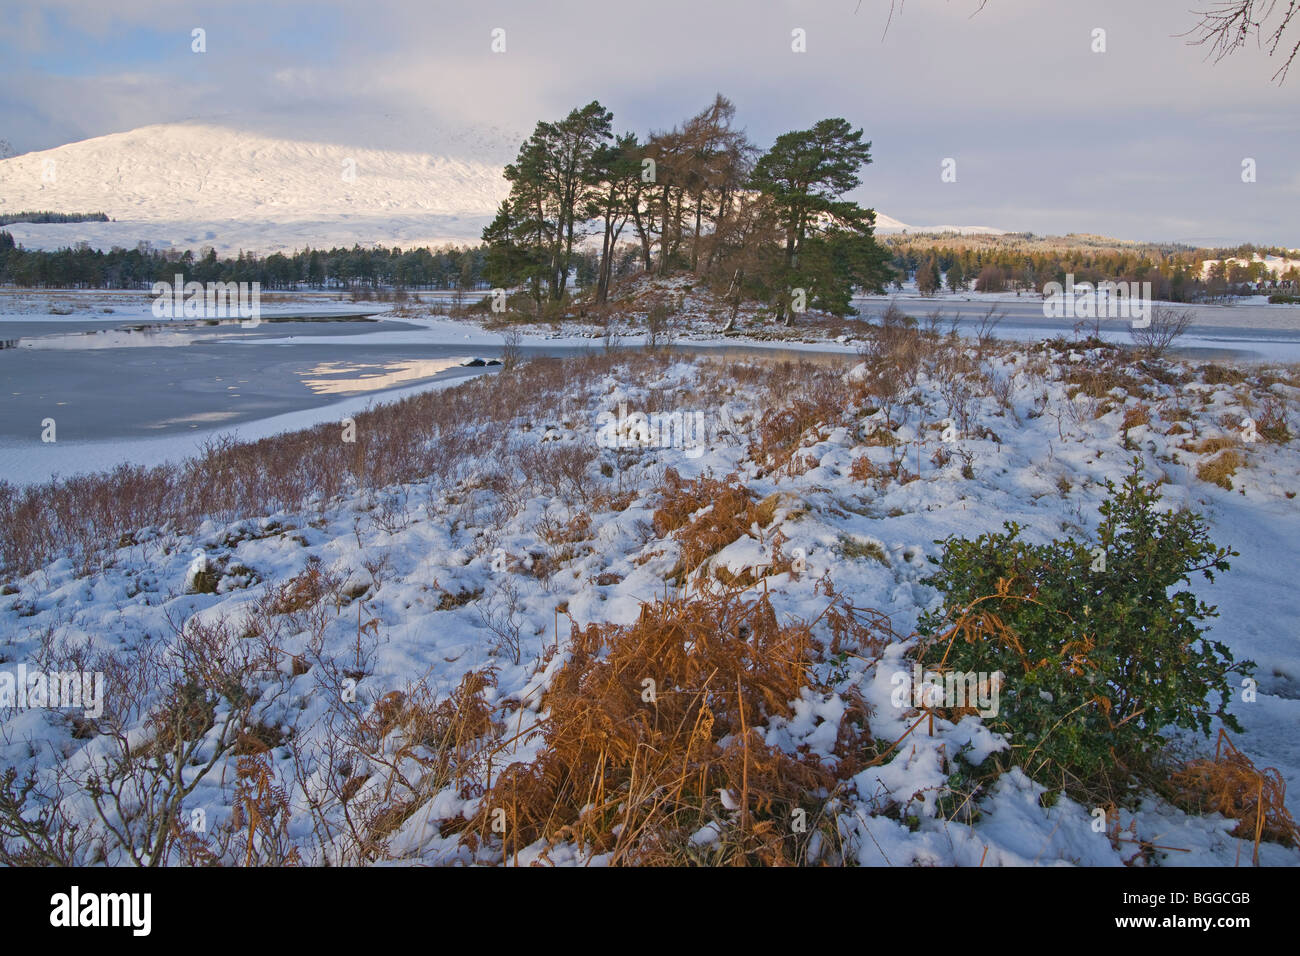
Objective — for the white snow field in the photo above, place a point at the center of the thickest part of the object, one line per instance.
(435, 571)
(886, 225)
(243, 187)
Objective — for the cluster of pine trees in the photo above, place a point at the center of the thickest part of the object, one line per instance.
(356, 268)
(699, 198)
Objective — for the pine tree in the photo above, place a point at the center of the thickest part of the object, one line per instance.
(805, 174)
(956, 279)
(315, 270)
(553, 190)
(619, 172)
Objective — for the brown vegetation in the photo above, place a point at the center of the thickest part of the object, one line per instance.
(651, 736)
(1232, 785)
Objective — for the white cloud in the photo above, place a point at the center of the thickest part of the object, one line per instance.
(1036, 118)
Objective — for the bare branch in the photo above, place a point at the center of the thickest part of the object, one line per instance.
(1229, 24)
(898, 5)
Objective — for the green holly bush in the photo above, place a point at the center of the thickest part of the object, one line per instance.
(1101, 651)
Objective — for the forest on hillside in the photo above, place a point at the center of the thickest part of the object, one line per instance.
(1023, 262)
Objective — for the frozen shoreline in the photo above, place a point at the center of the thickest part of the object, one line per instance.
(25, 463)
(29, 461)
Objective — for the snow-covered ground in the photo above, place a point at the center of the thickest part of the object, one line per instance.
(434, 570)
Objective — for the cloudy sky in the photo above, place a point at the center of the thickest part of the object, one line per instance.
(1145, 140)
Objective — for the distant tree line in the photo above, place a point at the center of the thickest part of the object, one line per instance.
(699, 198)
(7, 217)
(451, 267)
(1175, 274)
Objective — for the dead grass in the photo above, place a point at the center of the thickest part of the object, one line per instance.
(1216, 374)
(882, 437)
(703, 516)
(1219, 470)
(449, 601)
(1134, 416)
(1233, 786)
(652, 736)
(856, 549)
(556, 533)
(781, 432)
(1271, 422)
(863, 470)
(894, 353)
(1209, 446)
(1098, 381)
(299, 593)
(377, 766)
(422, 744)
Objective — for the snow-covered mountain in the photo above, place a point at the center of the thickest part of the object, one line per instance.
(253, 187)
(263, 183)
(888, 224)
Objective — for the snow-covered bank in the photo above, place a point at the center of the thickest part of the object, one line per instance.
(534, 521)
